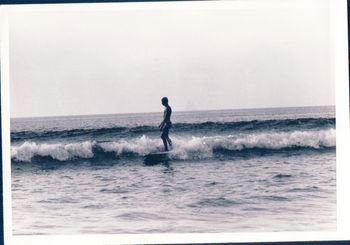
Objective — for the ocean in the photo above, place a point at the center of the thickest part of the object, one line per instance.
(229, 171)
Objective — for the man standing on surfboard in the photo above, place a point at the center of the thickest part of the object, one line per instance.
(166, 124)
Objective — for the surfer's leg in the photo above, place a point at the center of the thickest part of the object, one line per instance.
(167, 135)
(163, 136)
(169, 141)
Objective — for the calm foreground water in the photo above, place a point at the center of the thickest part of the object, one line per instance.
(229, 171)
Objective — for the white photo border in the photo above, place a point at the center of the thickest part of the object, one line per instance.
(338, 11)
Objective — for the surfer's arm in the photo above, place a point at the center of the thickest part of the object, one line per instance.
(165, 117)
(161, 125)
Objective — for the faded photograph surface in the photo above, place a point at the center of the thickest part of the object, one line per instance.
(172, 118)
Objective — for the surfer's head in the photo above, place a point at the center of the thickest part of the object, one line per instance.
(164, 101)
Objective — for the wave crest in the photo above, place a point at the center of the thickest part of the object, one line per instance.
(183, 147)
(198, 147)
(57, 151)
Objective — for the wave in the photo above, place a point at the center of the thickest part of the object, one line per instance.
(240, 126)
(183, 147)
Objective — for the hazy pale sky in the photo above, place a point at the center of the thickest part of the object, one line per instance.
(205, 55)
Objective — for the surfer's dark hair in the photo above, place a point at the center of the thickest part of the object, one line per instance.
(165, 100)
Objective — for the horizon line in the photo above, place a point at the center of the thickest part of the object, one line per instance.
(106, 114)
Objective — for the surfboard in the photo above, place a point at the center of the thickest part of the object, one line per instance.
(157, 157)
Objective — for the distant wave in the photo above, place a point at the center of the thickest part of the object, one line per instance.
(240, 126)
(184, 147)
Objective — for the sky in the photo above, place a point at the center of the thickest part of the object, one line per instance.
(123, 58)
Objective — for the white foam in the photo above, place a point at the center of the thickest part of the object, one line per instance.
(280, 140)
(183, 147)
(58, 151)
(141, 146)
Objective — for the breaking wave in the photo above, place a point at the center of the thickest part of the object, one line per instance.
(183, 147)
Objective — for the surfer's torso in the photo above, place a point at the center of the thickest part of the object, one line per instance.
(167, 115)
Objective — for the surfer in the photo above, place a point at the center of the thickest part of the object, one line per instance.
(166, 124)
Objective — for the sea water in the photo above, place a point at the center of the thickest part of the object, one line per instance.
(229, 171)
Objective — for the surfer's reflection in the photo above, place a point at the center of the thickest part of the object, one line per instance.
(168, 168)
(166, 163)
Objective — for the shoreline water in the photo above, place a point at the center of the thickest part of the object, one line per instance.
(273, 171)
